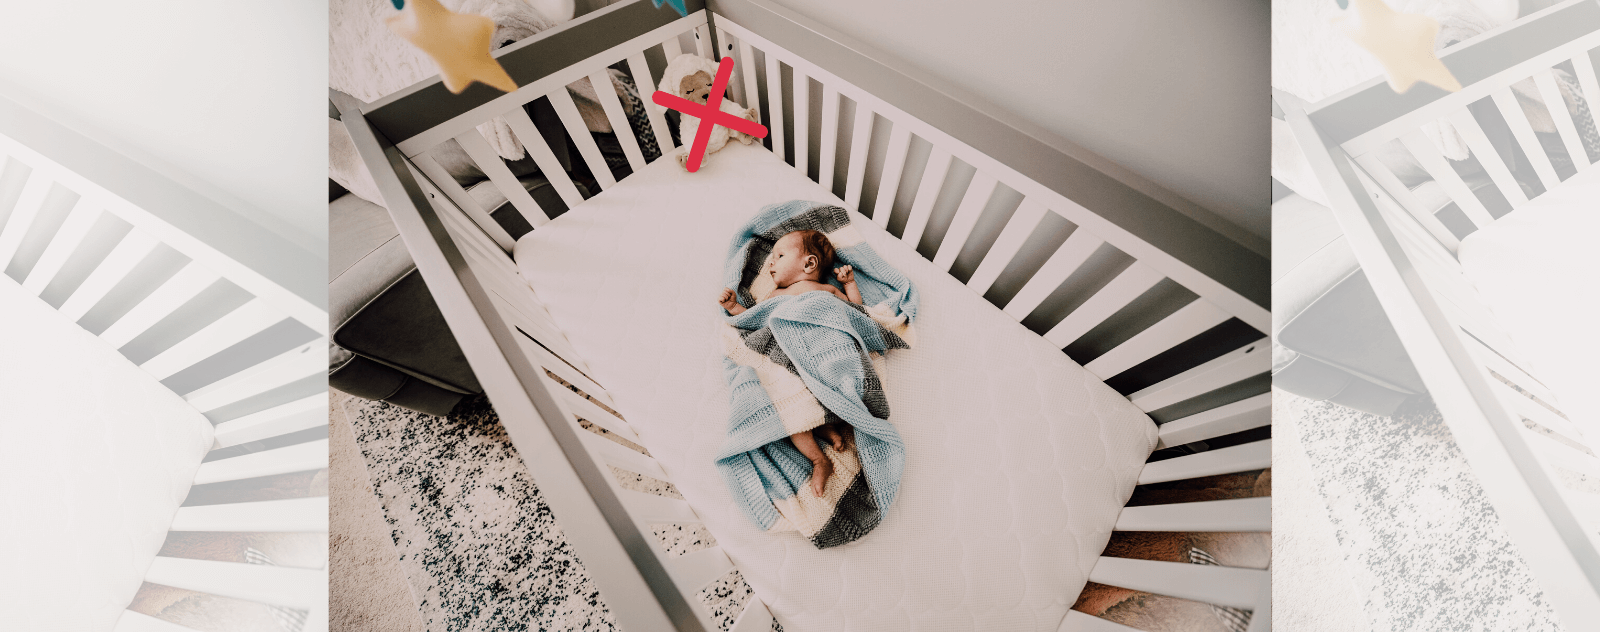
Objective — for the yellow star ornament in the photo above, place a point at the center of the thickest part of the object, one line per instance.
(1402, 42)
(458, 43)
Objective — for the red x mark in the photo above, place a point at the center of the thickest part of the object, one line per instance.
(711, 113)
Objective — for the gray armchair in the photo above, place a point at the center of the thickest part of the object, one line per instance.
(389, 342)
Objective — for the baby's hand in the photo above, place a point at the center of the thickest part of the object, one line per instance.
(846, 274)
(728, 302)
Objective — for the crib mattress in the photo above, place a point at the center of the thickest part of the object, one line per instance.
(1537, 271)
(1018, 460)
(95, 458)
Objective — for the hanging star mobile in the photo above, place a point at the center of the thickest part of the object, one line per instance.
(1402, 42)
(458, 43)
(677, 5)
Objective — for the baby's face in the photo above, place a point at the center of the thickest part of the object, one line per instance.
(790, 264)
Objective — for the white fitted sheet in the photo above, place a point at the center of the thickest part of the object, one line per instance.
(95, 458)
(1537, 270)
(1018, 460)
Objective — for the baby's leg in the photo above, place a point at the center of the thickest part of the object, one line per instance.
(821, 466)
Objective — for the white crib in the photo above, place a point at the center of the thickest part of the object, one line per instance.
(1505, 419)
(233, 342)
(1201, 391)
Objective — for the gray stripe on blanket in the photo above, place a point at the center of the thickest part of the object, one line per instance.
(855, 515)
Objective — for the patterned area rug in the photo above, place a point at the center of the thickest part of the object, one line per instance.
(479, 546)
(1425, 549)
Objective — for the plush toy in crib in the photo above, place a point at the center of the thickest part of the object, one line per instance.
(690, 76)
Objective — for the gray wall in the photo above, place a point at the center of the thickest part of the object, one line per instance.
(1174, 93)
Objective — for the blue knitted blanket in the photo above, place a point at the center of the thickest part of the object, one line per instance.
(797, 362)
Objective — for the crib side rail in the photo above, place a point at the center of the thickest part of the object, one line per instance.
(604, 523)
(1528, 499)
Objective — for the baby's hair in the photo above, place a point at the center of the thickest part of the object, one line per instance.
(816, 243)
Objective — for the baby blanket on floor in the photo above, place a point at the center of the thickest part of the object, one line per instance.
(794, 363)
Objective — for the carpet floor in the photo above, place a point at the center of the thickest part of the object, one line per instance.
(1417, 542)
(453, 524)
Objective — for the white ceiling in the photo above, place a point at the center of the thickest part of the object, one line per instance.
(1175, 91)
(225, 97)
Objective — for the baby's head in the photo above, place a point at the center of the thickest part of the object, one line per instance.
(803, 255)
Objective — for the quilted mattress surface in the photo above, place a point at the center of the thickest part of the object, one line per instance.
(1537, 270)
(1018, 460)
(95, 457)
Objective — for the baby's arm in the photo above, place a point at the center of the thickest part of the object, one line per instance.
(728, 302)
(847, 276)
(821, 466)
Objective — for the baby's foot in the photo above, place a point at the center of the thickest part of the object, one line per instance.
(683, 158)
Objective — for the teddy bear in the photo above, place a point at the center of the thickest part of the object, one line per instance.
(691, 76)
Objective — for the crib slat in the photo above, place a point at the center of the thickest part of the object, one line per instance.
(647, 86)
(1239, 458)
(693, 571)
(1236, 515)
(1021, 225)
(751, 88)
(755, 618)
(802, 122)
(301, 414)
(1481, 148)
(299, 515)
(1190, 321)
(549, 166)
(490, 163)
(1439, 167)
(1252, 359)
(1407, 200)
(927, 193)
(1128, 285)
(1584, 69)
(277, 585)
(1506, 369)
(1219, 585)
(129, 252)
(1239, 416)
(1557, 106)
(567, 111)
(830, 136)
(1525, 408)
(184, 285)
(232, 328)
(132, 621)
(966, 218)
(735, 89)
(775, 104)
(894, 165)
(648, 509)
(446, 184)
(1077, 621)
(1055, 271)
(702, 41)
(1512, 112)
(620, 456)
(586, 409)
(289, 366)
(856, 170)
(312, 455)
(22, 214)
(607, 91)
(671, 48)
(79, 220)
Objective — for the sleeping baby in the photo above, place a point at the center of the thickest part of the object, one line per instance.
(796, 266)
